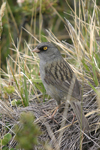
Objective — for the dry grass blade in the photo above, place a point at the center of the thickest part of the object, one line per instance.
(2, 10)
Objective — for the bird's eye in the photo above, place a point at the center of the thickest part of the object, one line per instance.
(45, 48)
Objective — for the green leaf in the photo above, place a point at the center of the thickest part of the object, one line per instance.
(94, 73)
(26, 99)
(5, 148)
(85, 65)
(9, 89)
(6, 139)
(39, 85)
(92, 86)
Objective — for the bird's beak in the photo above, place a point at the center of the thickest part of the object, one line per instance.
(36, 50)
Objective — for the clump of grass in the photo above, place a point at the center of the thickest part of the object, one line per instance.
(27, 133)
(9, 89)
(2, 10)
(85, 50)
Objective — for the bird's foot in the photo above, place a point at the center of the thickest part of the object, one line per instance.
(51, 116)
(73, 118)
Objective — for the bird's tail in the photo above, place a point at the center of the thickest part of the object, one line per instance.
(77, 108)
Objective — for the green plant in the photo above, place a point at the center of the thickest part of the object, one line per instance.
(9, 89)
(27, 133)
(6, 139)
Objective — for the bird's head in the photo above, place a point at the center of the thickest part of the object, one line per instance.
(47, 51)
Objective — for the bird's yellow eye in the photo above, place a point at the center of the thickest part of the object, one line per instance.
(45, 48)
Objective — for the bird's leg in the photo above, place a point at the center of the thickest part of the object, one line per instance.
(52, 116)
(73, 118)
(56, 110)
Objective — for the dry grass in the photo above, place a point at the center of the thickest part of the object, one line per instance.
(72, 135)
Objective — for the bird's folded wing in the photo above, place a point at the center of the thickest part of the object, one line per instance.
(59, 74)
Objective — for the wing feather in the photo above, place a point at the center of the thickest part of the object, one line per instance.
(60, 75)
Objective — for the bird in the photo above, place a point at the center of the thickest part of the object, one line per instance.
(57, 77)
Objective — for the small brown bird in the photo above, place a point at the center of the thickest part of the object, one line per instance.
(57, 77)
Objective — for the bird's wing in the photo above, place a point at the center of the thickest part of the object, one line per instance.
(59, 74)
